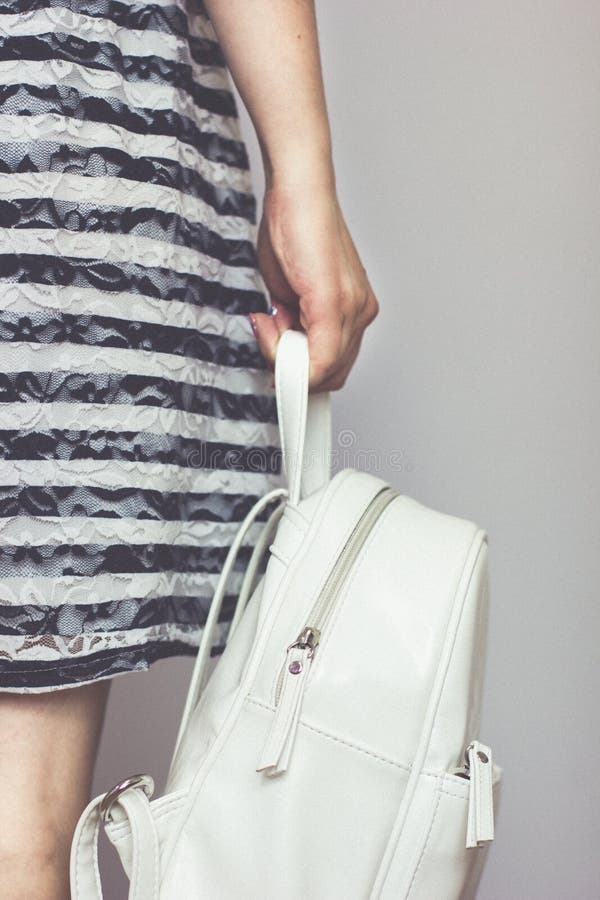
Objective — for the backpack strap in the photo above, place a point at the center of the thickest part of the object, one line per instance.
(304, 419)
(305, 433)
(144, 877)
(200, 671)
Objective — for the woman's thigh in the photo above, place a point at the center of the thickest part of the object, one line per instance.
(48, 748)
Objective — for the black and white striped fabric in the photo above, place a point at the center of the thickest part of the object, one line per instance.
(137, 418)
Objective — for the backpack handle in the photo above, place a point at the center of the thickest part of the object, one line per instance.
(305, 430)
(304, 419)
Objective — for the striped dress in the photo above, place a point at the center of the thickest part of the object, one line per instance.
(137, 417)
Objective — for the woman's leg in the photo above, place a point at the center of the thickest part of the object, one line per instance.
(48, 746)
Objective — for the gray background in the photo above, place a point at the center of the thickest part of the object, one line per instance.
(467, 146)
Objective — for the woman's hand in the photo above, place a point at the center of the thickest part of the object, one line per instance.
(315, 279)
(306, 255)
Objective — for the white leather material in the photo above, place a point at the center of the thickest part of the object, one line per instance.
(304, 420)
(85, 876)
(434, 842)
(480, 823)
(355, 796)
(142, 856)
(199, 674)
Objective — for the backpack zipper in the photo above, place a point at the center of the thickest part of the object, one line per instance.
(478, 770)
(291, 680)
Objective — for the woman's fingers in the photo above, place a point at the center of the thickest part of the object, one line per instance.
(267, 329)
(333, 342)
(337, 374)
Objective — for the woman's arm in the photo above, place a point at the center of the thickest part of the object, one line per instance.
(308, 260)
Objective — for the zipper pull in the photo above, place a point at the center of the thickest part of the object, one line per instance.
(480, 822)
(277, 750)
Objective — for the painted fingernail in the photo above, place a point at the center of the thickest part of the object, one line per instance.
(252, 318)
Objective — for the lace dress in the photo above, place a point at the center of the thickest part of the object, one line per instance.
(137, 418)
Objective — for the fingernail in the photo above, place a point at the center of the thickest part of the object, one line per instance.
(273, 311)
(252, 318)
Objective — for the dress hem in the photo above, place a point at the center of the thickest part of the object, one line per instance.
(62, 675)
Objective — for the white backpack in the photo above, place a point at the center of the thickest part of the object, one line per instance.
(333, 753)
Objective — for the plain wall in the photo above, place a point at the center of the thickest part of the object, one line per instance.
(467, 146)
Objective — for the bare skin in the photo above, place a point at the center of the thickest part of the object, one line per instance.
(317, 282)
(47, 754)
(306, 254)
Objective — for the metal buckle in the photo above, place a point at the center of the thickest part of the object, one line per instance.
(145, 782)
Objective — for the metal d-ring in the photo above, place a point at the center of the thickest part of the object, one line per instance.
(145, 782)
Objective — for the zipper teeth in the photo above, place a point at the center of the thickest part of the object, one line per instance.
(348, 554)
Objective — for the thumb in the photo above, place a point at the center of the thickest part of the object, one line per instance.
(268, 328)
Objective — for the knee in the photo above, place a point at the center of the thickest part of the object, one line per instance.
(34, 862)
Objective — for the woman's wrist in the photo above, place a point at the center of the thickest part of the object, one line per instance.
(300, 160)
(303, 165)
